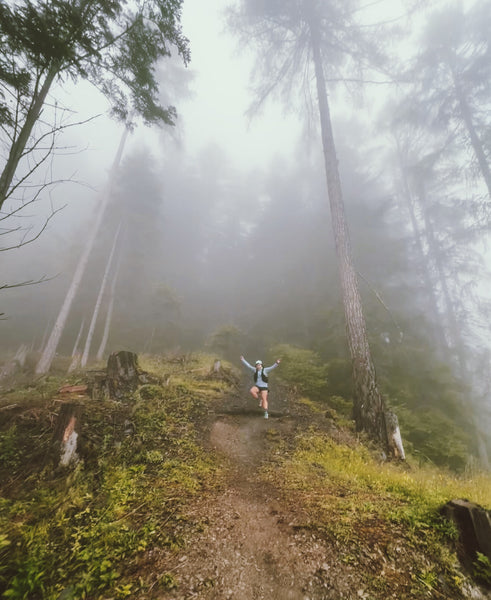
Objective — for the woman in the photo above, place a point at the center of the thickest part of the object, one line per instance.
(260, 388)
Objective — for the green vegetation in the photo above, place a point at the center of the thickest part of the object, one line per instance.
(367, 508)
(143, 462)
(302, 368)
(426, 400)
(115, 524)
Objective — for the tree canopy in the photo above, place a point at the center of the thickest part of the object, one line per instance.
(113, 44)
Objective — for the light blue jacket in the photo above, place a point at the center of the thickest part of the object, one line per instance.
(260, 382)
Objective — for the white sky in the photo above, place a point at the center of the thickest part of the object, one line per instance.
(216, 113)
(213, 115)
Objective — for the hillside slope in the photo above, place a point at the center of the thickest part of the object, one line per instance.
(185, 491)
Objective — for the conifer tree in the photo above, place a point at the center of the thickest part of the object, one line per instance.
(292, 36)
(111, 43)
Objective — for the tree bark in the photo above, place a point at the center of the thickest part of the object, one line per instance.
(122, 374)
(49, 351)
(66, 435)
(368, 406)
(474, 525)
(18, 147)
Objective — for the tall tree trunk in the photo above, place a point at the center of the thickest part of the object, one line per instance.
(97, 307)
(109, 315)
(49, 351)
(436, 257)
(19, 145)
(368, 404)
(75, 353)
(79, 335)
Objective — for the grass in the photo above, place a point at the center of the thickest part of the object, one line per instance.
(143, 463)
(364, 507)
(105, 528)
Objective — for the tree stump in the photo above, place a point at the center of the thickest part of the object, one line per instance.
(394, 439)
(66, 435)
(474, 525)
(122, 374)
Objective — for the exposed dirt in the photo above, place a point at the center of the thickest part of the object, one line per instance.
(253, 545)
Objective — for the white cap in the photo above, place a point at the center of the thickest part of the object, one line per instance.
(259, 362)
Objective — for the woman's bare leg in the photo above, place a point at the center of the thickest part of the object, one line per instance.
(264, 399)
(255, 391)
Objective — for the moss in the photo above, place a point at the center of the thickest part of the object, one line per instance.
(81, 532)
(358, 503)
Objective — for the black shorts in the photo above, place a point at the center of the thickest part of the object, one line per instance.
(262, 389)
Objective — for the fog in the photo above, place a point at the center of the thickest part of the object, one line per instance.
(226, 241)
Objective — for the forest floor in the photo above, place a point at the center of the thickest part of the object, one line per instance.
(253, 546)
(258, 542)
(187, 492)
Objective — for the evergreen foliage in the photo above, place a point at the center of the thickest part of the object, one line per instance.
(302, 369)
(112, 44)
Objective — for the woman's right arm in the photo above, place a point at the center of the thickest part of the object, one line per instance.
(243, 360)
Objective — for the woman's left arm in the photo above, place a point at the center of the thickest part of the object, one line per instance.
(273, 366)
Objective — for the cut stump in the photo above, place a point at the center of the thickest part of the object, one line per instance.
(122, 374)
(474, 525)
(66, 436)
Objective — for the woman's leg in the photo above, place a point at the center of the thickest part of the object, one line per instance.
(264, 399)
(255, 391)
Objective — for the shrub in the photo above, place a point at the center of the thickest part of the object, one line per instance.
(303, 369)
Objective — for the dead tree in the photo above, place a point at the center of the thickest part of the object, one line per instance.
(49, 350)
(90, 334)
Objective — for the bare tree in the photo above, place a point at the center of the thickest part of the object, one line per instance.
(49, 350)
(109, 315)
(97, 306)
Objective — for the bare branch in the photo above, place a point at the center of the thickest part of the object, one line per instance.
(9, 286)
(24, 242)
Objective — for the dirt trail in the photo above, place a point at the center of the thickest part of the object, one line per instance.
(250, 548)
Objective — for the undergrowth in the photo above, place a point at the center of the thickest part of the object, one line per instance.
(384, 513)
(69, 534)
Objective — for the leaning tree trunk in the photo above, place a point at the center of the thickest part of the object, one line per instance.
(90, 334)
(109, 316)
(19, 145)
(369, 407)
(75, 353)
(49, 351)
